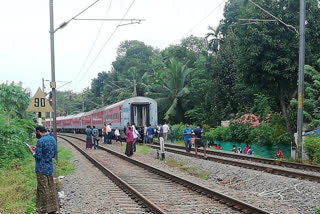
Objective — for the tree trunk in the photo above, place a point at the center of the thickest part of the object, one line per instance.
(284, 110)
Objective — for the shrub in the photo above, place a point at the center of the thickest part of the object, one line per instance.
(220, 134)
(318, 211)
(239, 132)
(261, 134)
(312, 148)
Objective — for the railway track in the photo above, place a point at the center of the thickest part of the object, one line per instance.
(308, 167)
(160, 191)
(261, 164)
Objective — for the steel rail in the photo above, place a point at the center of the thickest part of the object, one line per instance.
(267, 169)
(293, 165)
(222, 198)
(117, 180)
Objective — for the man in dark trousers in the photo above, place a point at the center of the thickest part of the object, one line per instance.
(198, 141)
(43, 153)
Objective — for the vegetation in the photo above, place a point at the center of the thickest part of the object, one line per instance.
(194, 171)
(318, 211)
(239, 68)
(17, 177)
(143, 149)
(312, 148)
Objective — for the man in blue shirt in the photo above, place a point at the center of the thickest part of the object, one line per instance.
(150, 132)
(43, 153)
(187, 137)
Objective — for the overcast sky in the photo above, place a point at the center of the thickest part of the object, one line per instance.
(25, 44)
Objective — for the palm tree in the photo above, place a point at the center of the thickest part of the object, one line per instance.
(213, 37)
(174, 88)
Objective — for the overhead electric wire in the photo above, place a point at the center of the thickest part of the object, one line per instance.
(204, 18)
(78, 14)
(104, 45)
(94, 43)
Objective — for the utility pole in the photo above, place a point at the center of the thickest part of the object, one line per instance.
(301, 76)
(43, 87)
(53, 75)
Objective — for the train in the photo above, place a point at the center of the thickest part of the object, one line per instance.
(140, 111)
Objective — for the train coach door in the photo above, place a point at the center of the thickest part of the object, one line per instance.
(140, 114)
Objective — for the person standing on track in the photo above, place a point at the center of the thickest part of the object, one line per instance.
(165, 128)
(172, 135)
(145, 134)
(95, 134)
(187, 137)
(43, 152)
(198, 140)
(150, 132)
(109, 131)
(129, 140)
(104, 132)
(89, 137)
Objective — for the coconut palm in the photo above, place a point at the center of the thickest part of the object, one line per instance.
(173, 88)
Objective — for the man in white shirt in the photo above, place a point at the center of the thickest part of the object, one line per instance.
(165, 128)
(109, 132)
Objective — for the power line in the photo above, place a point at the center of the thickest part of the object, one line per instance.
(94, 42)
(204, 18)
(78, 14)
(279, 20)
(114, 31)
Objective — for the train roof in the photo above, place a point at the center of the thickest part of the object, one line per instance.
(129, 100)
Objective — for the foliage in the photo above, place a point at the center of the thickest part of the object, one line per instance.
(239, 132)
(18, 182)
(318, 211)
(220, 133)
(14, 100)
(249, 119)
(312, 148)
(18, 187)
(261, 134)
(18, 131)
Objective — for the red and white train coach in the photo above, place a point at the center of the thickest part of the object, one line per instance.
(138, 110)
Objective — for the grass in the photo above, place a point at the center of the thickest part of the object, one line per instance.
(63, 167)
(143, 149)
(18, 183)
(194, 171)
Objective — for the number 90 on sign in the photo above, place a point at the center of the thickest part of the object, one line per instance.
(39, 102)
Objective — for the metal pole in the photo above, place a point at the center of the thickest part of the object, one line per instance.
(53, 78)
(301, 75)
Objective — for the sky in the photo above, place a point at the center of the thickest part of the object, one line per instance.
(25, 40)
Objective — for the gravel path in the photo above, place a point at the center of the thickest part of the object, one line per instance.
(277, 194)
(88, 190)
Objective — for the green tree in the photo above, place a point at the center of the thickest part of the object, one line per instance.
(14, 100)
(174, 88)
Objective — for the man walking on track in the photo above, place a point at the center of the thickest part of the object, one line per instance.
(187, 137)
(198, 141)
(43, 152)
(165, 128)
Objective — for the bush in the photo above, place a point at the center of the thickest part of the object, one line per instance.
(239, 132)
(318, 211)
(219, 134)
(312, 148)
(261, 134)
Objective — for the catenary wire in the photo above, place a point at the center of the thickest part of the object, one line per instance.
(93, 44)
(204, 18)
(104, 45)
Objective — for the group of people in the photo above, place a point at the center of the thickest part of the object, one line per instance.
(247, 150)
(92, 137)
(194, 136)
